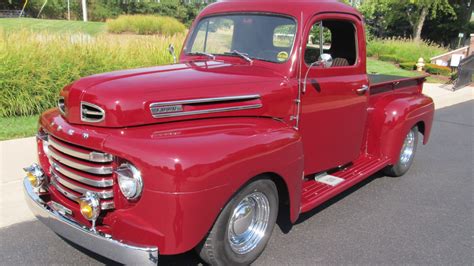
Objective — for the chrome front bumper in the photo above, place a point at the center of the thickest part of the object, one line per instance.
(80, 235)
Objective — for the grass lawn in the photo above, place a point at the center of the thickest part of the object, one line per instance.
(380, 67)
(18, 127)
(55, 26)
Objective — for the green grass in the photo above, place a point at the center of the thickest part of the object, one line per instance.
(403, 50)
(35, 66)
(17, 127)
(380, 67)
(52, 26)
(145, 25)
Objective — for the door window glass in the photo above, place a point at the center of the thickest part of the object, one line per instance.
(334, 37)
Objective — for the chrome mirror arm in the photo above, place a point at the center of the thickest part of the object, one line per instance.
(324, 60)
(172, 52)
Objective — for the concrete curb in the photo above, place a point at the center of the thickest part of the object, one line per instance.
(18, 153)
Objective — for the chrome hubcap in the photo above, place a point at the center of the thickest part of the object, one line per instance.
(248, 223)
(408, 148)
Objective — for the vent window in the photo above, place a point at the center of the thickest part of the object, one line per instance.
(91, 113)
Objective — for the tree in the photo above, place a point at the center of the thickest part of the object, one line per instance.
(419, 10)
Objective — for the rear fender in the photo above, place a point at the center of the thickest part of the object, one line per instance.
(392, 118)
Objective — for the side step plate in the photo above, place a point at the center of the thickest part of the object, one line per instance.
(329, 180)
(324, 187)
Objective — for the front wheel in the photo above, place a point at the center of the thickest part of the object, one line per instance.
(244, 226)
(407, 154)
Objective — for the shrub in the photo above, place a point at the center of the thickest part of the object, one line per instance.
(438, 70)
(403, 50)
(145, 24)
(454, 75)
(408, 66)
(35, 66)
(392, 58)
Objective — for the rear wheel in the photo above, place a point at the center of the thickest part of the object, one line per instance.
(244, 226)
(407, 155)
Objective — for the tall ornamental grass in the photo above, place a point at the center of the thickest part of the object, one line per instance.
(145, 25)
(35, 66)
(402, 50)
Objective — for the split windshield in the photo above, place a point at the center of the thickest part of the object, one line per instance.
(261, 37)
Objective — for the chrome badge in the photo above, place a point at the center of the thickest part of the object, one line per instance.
(166, 109)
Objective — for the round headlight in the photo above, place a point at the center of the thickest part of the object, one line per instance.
(129, 180)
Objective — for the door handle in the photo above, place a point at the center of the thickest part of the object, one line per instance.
(362, 90)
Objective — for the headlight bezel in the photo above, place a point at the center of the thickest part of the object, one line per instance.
(128, 174)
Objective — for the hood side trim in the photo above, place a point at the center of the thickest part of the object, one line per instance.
(209, 111)
(208, 100)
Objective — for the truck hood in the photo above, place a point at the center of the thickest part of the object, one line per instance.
(176, 92)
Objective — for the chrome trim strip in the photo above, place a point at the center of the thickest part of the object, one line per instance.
(104, 194)
(209, 100)
(103, 182)
(102, 112)
(103, 157)
(97, 242)
(102, 170)
(61, 105)
(104, 205)
(209, 111)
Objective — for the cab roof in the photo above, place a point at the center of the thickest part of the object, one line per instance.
(291, 8)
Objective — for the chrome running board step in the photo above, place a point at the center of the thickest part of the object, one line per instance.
(324, 186)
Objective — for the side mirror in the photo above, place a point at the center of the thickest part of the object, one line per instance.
(171, 51)
(325, 60)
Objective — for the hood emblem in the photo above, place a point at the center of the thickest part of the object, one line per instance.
(167, 109)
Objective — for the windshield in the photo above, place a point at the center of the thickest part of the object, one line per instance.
(262, 37)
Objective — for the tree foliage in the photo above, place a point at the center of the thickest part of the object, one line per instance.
(100, 10)
(432, 19)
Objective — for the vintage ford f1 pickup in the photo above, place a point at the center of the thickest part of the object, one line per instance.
(268, 110)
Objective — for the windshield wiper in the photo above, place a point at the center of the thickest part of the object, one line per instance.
(213, 57)
(244, 56)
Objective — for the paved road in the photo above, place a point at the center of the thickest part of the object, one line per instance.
(425, 217)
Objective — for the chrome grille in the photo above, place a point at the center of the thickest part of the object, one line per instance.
(91, 113)
(76, 170)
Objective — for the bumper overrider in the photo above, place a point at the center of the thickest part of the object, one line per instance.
(92, 240)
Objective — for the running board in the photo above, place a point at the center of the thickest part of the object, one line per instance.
(323, 187)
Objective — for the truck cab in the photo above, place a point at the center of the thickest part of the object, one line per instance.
(268, 110)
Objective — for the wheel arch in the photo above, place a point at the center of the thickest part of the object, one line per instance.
(394, 116)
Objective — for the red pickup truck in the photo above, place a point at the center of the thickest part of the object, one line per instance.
(268, 110)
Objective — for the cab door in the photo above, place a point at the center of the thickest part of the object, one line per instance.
(334, 103)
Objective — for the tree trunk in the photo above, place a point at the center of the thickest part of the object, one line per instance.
(419, 24)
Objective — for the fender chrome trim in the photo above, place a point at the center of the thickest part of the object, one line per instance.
(94, 241)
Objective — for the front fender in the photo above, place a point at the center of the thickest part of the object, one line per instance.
(393, 117)
(191, 169)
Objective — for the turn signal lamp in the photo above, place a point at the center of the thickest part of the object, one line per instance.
(89, 206)
(35, 175)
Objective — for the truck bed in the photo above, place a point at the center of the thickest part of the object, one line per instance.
(383, 83)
